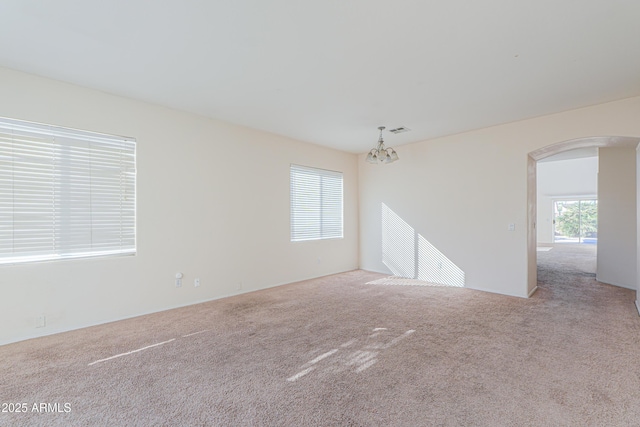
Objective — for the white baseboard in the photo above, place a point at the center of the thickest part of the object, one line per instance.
(532, 292)
(638, 307)
(632, 287)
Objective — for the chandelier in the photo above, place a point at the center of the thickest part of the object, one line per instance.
(380, 154)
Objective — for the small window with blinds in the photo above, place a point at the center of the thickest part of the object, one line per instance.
(64, 193)
(316, 204)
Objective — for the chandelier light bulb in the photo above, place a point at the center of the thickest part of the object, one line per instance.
(380, 154)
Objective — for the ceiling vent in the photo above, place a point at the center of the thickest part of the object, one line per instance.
(400, 129)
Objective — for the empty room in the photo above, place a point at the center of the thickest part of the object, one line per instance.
(356, 213)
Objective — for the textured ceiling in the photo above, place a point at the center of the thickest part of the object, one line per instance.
(330, 72)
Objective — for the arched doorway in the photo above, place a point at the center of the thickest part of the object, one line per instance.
(550, 150)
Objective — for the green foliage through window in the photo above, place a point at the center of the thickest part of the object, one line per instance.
(577, 218)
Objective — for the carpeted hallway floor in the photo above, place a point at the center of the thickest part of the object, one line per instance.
(336, 351)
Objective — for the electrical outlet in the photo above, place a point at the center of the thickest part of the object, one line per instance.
(41, 321)
(196, 282)
(178, 283)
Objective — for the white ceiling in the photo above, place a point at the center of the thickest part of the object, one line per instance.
(330, 72)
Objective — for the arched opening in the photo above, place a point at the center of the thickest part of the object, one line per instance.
(614, 247)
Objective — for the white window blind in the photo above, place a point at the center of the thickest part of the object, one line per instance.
(64, 193)
(316, 204)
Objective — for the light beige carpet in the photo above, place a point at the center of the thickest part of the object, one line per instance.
(336, 351)
(401, 281)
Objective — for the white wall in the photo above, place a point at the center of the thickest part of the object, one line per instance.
(461, 193)
(572, 178)
(532, 217)
(617, 217)
(212, 202)
(637, 229)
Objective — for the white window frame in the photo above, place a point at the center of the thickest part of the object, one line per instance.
(317, 204)
(65, 193)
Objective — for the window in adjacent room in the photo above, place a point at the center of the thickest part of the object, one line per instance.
(64, 193)
(316, 204)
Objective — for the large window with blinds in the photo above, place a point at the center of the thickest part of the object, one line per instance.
(65, 193)
(316, 204)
